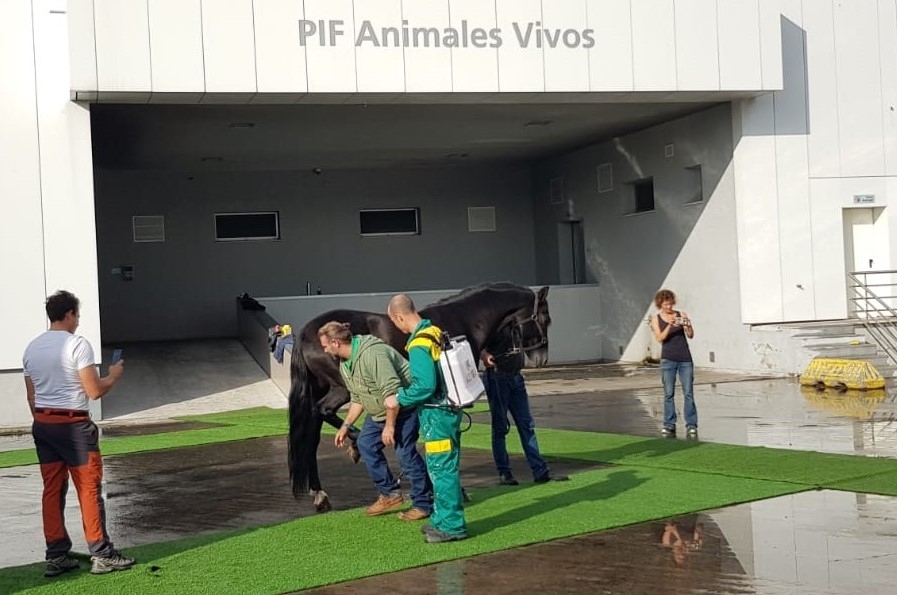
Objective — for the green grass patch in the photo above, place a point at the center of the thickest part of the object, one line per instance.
(343, 546)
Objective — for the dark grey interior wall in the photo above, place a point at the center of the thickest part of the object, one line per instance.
(184, 287)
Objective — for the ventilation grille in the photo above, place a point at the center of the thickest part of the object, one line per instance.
(605, 178)
(556, 186)
(148, 228)
(669, 150)
(480, 218)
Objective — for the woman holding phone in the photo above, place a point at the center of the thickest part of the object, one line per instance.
(672, 329)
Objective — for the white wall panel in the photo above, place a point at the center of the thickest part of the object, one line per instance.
(771, 43)
(858, 67)
(21, 267)
(653, 45)
(427, 69)
(228, 46)
(887, 31)
(279, 59)
(610, 61)
(828, 250)
(331, 68)
(739, 45)
(175, 34)
(697, 53)
(380, 69)
(520, 69)
(566, 68)
(474, 69)
(792, 174)
(82, 44)
(66, 176)
(822, 90)
(756, 196)
(123, 49)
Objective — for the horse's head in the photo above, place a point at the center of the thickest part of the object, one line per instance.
(529, 329)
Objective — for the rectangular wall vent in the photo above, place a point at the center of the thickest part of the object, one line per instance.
(148, 228)
(556, 188)
(480, 218)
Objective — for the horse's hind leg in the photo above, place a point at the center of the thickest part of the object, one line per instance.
(335, 398)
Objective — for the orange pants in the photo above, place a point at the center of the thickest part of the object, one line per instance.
(69, 446)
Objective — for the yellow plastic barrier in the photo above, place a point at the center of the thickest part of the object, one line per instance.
(842, 374)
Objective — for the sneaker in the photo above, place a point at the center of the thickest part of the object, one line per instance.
(692, 432)
(107, 564)
(426, 528)
(413, 514)
(548, 477)
(506, 479)
(60, 564)
(437, 536)
(385, 504)
(668, 432)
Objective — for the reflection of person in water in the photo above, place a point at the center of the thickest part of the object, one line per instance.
(682, 540)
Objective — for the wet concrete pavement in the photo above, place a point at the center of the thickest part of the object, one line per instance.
(819, 542)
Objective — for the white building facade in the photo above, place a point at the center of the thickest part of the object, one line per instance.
(740, 152)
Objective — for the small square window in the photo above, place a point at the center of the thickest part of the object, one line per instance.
(643, 195)
(695, 184)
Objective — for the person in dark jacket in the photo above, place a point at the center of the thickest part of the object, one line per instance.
(506, 392)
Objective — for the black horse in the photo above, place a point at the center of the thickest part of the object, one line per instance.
(317, 392)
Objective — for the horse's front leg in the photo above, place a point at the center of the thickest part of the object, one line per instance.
(335, 398)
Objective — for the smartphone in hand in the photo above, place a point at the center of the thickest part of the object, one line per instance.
(116, 356)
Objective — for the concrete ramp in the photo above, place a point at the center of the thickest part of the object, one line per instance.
(167, 379)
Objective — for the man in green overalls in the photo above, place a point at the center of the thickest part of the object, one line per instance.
(440, 423)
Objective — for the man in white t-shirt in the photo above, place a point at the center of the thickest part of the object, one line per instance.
(60, 377)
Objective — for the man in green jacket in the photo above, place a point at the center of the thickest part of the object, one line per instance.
(372, 370)
(440, 422)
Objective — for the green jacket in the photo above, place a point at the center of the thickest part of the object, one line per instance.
(427, 385)
(373, 372)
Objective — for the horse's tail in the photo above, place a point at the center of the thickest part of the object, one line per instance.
(304, 422)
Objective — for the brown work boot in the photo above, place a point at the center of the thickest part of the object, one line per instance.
(413, 514)
(385, 504)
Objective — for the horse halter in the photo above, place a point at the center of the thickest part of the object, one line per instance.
(517, 332)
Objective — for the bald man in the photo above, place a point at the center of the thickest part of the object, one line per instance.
(440, 422)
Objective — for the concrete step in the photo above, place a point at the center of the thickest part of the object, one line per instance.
(859, 351)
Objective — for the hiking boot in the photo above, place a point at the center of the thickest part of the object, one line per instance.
(60, 564)
(506, 479)
(385, 504)
(549, 477)
(107, 564)
(437, 536)
(668, 432)
(413, 514)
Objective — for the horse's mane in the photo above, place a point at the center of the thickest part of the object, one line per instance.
(466, 293)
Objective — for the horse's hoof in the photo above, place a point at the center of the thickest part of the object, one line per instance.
(354, 454)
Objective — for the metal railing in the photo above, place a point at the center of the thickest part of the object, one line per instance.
(872, 296)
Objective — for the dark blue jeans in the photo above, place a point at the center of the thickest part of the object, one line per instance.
(370, 446)
(686, 371)
(507, 394)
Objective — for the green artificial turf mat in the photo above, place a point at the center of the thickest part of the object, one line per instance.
(343, 546)
(884, 484)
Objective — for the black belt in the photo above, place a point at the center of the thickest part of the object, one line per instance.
(62, 412)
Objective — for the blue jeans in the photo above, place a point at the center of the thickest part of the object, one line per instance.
(370, 446)
(686, 370)
(507, 394)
